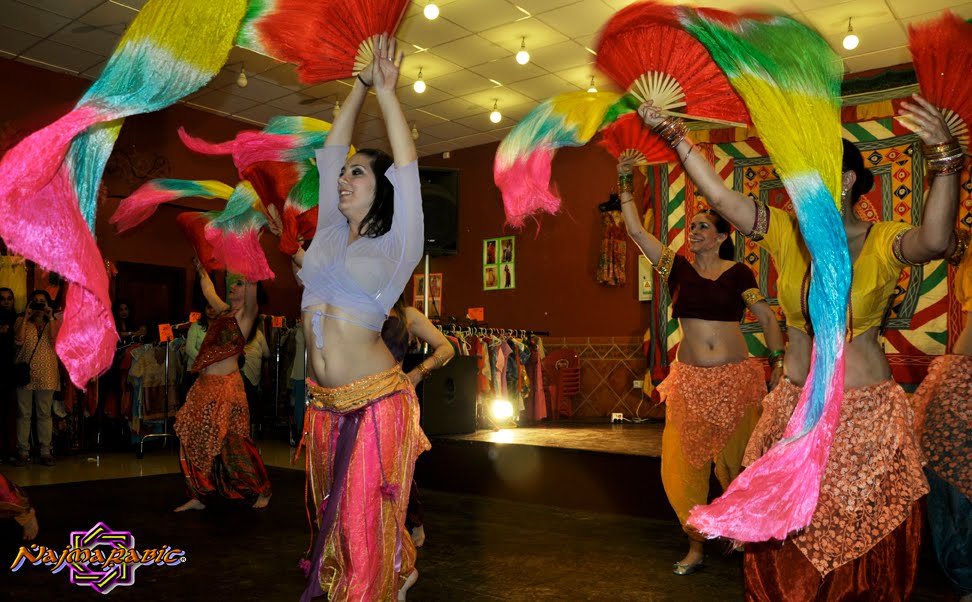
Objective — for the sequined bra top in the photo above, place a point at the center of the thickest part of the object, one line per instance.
(361, 280)
(223, 339)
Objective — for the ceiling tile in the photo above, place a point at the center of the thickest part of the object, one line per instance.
(558, 57)
(964, 11)
(539, 6)
(260, 113)
(424, 33)
(532, 32)
(581, 77)
(470, 50)
(224, 102)
(62, 56)
(14, 41)
(476, 139)
(43, 65)
(481, 123)
(284, 75)
(431, 65)
(416, 7)
(111, 16)
(502, 95)
(909, 8)
(415, 100)
(325, 112)
(336, 89)
(804, 5)
(454, 108)
(261, 90)
(584, 17)
(96, 40)
(500, 133)
(832, 20)
(875, 60)
(448, 130)
(518, 112)
(30, 19)
(94, 71)
(254, 63)
(765, 6)
(423, 119)
(136, 4)
(507, 71)
(476, 15)
(874, 38)
(291, 105)
(66, 8)
(543, 87)
(461, 83)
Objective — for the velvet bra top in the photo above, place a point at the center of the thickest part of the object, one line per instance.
(724, 299)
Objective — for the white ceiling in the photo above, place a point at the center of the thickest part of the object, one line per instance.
(466, 56)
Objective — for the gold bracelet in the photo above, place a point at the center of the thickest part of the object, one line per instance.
(425, 371)
(672, 130)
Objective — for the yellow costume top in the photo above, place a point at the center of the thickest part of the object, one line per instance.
(963, 276)
(875, 272)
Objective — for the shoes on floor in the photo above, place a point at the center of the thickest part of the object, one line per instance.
(418, 536)
(687, 569)
(20, 461)
(47, 460)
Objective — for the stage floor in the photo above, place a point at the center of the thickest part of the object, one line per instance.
(643, 439)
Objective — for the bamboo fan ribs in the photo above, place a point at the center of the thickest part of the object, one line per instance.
(627, 139)
(645, 50)
(942, 54)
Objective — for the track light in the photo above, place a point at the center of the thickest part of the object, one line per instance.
(415, 132)
(523, 57)
(431, 11)
(419, 85)
(241, 81)
(851, 40)
(592, 89)
(495, 116)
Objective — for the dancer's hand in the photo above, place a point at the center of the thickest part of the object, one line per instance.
(650, 114)
(625, 167)
(775, 375)
(925, 119)
(386, 64)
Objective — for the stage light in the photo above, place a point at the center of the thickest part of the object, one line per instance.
(592, 89)
(523, 57)
(851, 40)
(431, 11)
(495, 116)
(501, 410)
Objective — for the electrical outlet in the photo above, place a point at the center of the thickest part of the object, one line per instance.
(638, 384)
(617, 417)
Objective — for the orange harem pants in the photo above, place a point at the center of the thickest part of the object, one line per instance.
(709, 415)
(217, 456)
(363, 441)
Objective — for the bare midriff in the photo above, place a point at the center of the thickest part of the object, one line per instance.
(708, 343)
(865, 363)
(351, 351)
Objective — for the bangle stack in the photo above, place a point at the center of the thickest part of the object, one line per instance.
(944, 159)
(424, 370)
(625, 183)
(672, 130)
(776, 358)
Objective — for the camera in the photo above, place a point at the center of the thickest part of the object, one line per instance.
(38, 306)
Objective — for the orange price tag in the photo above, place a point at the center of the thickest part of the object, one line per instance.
(194, 317)
(476, 313)
(277, 322)
(165, 332)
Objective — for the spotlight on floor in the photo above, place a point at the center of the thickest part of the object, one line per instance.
(501, 414)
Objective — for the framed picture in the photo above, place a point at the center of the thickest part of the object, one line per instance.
(644, 278)
(490, 278)
(434, 293)
(507, 275)
(499, 267)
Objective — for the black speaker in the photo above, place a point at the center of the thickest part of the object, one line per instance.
(440, 204)
(448, 398)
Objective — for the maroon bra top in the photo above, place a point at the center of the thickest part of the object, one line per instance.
(696, 297)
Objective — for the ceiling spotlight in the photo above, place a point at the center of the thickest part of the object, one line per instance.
(337, 107)
(851, 40)
(523, 57)
(495, 116)
(419, 85)
(241, 81)
(592, 89)
(431, 11)
(415, 134)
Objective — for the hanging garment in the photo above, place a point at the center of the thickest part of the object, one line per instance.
(614, 249)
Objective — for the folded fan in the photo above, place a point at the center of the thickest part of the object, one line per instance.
(941, 50)
(644, 49)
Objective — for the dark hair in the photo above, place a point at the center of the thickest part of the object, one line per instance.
(378, 221)
(853, 161)
(727, 250)
(46, 294)
(9, 290)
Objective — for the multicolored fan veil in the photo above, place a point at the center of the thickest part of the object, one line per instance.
(645, 50)
(523, 161)
(235, 234)
(49, 182)
(326, 39)
(790, 80)
(942, 54)
(142, 203)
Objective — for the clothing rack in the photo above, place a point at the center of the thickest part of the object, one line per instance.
(165, 434)
(467, 326)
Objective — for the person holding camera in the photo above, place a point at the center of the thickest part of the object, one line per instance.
(36, 374)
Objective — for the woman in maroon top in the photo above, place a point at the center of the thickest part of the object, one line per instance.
(713, 390)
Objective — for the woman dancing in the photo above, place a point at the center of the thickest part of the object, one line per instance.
(362, 420)
(863, 538)
(217, 456)
(713, 391)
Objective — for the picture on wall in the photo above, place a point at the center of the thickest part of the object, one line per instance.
(435, 296)
(499, 263)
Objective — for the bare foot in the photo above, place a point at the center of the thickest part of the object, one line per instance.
(31, 527)
(409, 582)
(262, 502)
(192, 504)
